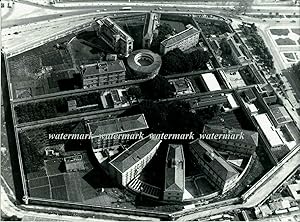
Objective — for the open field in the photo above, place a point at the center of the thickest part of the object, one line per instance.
(178, 26)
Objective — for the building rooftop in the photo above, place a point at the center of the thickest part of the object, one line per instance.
(295, 190)
(174, 171)
(280, 114)
(118, 125)
(268, 129)
(191, 30)
(103, 68)
(249, 94)
(211, 82)
(250, 137)
(114, 28)
(213, 159)
(134, 153)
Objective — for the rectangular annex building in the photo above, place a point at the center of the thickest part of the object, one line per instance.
(268, 131)
(238, 141)
(103, 73)
(130, 163)
(174, 173)
(184, 40)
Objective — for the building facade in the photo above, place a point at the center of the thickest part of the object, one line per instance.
(114, 36)
(217, 170)
(184, 40)
(151, 24)
(174, 174)
(106, 133)
(236, 141)
(102, 73)
(130, 163)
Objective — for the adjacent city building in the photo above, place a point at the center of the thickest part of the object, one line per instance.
(102, 73)
(130, 163)
(218, 171)
(237, 141)
(114, 36)
(184, 40)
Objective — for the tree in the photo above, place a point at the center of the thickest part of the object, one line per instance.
(157, 88)
(176, 61)
(135, 92)
(225, 47)
(163, 30)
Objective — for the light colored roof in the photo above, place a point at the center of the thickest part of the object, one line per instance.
(191, 30)
(134, 153)
(114, 28)
(146, 54)
(104, 68)
(118, 125)
(213, 159)
(250, 137)
(268, 129)
(211, 81)
(232, 101)
(174, 171)
(295, 190)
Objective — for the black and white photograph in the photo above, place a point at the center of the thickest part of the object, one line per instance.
(150, 110)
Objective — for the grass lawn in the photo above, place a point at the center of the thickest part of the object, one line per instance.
(297, 31)
(289, 55)
(279, 31)
(285, 41)
(204, 186)
(178, 26)
(29, 70)
(84, 53)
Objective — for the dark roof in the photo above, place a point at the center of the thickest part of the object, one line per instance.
(174, 171)
(250, 137)
(280, 113)
(208, 101)
(134, 153)
(249, 94)
(104, 68)
(118, 125)
(191, 30)
(216, 163)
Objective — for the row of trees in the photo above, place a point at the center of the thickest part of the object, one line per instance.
(176, 61)
(156, 88)
(51, 108)
(258, 45)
